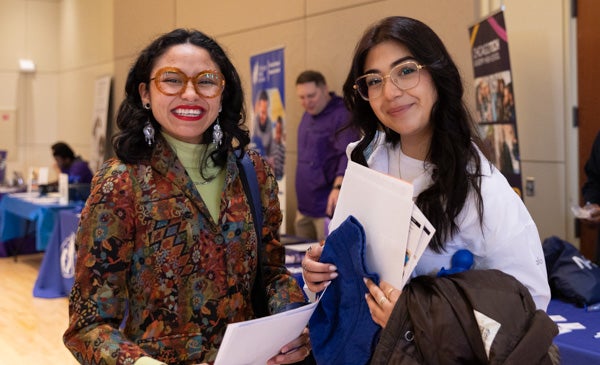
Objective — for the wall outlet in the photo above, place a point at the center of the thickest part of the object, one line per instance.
(530, 186)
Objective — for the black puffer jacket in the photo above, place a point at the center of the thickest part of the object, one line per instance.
(434, 323)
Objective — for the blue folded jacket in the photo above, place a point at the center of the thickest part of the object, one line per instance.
(341, 328)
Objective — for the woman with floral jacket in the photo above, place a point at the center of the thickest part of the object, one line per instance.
(166, 247)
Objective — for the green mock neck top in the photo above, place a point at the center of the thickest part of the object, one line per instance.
(190, 155)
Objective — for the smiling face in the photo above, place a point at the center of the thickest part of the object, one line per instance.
(406, 112)
(187, 116)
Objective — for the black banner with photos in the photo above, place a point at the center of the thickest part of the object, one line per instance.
(494, 93)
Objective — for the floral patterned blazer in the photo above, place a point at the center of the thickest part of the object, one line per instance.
(156, 275)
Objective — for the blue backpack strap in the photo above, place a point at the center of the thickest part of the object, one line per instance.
(252, 188)
(260, 302)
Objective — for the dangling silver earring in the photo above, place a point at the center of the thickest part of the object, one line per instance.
(217, 133)
(148, 133)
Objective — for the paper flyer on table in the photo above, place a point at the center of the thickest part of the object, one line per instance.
(255, 341)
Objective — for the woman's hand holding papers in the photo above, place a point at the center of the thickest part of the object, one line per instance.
(381, 301)
(294, 351)
(317, 275)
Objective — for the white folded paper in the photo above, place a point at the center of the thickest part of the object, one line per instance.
(396, 230)
(255, 341)
(581, 212)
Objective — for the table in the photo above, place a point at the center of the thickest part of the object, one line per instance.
(579, 336)
(5, 190)
(18, 210)
(26, 244)
(55, 277)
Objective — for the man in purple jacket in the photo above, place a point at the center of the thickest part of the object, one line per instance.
(322, 141)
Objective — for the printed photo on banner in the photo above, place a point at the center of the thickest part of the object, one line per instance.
(494, 96)
(268, 119)
(268, 129)
(503, 147)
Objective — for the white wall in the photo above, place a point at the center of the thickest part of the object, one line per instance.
(76, 41)
(540, 40)
(71, 43)
(29, 30)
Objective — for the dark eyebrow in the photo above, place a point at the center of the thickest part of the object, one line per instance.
(395, 63)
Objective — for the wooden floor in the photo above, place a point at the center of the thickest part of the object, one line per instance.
(30, 328)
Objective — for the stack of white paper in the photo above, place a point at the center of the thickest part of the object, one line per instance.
(396, 230)
(255, 341)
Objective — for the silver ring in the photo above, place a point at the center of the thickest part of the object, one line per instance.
(382, 300)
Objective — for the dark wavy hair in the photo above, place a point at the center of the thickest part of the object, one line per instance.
(61, 149)
(129, 143)
(453, 152)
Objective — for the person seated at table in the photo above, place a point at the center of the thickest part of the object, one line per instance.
(68, 163)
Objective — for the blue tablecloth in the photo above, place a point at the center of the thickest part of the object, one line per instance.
(22, 245)
(55, 278)
(579, 338)
(16, 209)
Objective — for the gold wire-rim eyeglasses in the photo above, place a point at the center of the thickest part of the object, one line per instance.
(366, 88)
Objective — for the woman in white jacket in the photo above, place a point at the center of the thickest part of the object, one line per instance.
(405, 94)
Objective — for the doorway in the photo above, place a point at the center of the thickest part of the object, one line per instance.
(588, 78)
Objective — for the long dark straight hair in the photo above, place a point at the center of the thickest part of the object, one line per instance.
(454, 145)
